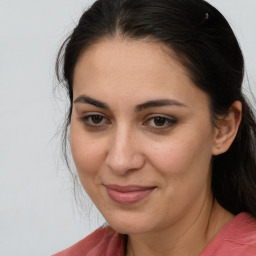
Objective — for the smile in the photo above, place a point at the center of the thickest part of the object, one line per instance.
(126, 195)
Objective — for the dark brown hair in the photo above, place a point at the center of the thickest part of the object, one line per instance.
(207, 47)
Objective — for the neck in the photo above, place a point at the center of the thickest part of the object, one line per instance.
(188, 236)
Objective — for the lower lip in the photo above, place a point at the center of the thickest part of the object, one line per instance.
(130, 197)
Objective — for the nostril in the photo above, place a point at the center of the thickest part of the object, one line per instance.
(121, 164)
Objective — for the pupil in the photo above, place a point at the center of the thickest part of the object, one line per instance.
(159, 121)
(97, 119)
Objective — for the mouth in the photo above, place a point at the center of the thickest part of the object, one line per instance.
(127, 195)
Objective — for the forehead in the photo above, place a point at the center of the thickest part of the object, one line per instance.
(136, 69)
(119, 54)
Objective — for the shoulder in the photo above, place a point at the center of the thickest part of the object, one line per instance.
(238, 238)
(103, 241)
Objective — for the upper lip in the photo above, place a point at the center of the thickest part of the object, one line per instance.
(128, 188)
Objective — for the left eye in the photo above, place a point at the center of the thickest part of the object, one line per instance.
(160, 122)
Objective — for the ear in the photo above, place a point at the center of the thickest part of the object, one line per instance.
(227, 128)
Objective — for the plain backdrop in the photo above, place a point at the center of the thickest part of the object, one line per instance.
(38, 213)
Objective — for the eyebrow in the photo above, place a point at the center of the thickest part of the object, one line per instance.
(89, 100)
(149, 104)
(159, 103)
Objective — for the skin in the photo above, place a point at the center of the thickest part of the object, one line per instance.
(125, 145)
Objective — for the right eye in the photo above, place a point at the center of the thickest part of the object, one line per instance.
(95, 121)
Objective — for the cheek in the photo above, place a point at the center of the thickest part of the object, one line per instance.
(183, 154)
(88, 153)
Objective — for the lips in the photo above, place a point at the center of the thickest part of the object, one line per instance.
(126, 195)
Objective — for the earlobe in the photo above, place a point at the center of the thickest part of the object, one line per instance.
(227, 129)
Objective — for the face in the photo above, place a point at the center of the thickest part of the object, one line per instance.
(141, 136)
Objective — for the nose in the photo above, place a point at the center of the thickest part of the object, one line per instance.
(124, 153)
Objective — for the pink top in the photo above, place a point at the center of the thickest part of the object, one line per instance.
(237, 238)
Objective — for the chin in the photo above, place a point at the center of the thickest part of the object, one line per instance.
(130, 224)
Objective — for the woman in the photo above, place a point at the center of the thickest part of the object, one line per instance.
(162, 137)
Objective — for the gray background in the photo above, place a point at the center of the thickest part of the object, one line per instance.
(38, 214)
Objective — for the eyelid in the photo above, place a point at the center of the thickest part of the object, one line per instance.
(85, 119)
(171, 121)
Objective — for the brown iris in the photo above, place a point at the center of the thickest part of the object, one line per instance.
(159, 121)
(96, 119)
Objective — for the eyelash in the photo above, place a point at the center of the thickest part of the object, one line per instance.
(168, 122)
(87, 120)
